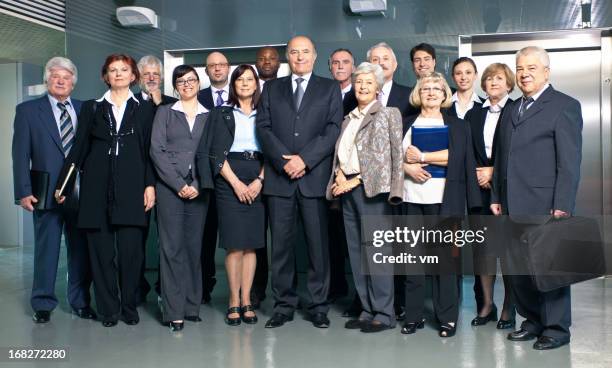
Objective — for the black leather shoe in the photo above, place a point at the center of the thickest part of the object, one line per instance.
(320, 320)
(193, 318)
(41, 316)
(375, 326)
(131, 322)
(277, 320)
(109, 323)
(86, 313)
(548, 343)
(411, 327)
(521, 335)
(447, 330)
(480, 321)
(356, 324)
(246, 319)
(232, 321)
(176, 326)
(504, 324)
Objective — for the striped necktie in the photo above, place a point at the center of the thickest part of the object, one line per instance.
(219, 101)
(66, 129)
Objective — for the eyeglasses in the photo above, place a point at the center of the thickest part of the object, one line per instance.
(217, 65)
(149, 75)
(182, 82)
(431, 89)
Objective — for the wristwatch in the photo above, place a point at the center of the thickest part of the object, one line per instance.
(260, 179)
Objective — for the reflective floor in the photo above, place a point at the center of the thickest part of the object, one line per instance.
(297, 344)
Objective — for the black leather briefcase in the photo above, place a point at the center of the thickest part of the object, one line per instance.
(564, 252)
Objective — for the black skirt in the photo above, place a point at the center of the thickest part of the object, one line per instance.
(241, 225)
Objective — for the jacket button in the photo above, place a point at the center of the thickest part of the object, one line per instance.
(220, 165)
(296, 134)
(297, 117)
(225, 153)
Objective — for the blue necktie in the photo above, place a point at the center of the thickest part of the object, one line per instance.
(219, 101)
(299, 93)
(525, 102)
(66, 129)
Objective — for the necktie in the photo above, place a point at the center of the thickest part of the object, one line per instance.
(66, 129)
(299, 93)
(524, 104)
(219, 100)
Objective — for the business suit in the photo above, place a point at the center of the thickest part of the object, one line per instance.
(399, 97)
(460, 190)
(349, 102)
(111, 206)
(537, 170)
(452, 111)
(144, 285)
(309, 131)
(37, 146)
(209, 240)
(379, 151)
(180, 221)
(476, 118)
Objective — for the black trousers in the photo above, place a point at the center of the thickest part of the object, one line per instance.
(260, 280)
(116, 259)
(209, 246)
(445, 290)
(284, 213)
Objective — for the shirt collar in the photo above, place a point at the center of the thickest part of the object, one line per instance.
(178, 106)
(501, 103)
(252, 114)
(347, 88)
(537, 95)
(305, 77)
(386, 88)
(359, 114)
(224, 89)
(473, 98)
(54, 100)
(107, 97)
(145, 96)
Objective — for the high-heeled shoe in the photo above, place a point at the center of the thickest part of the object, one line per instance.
(411, 327)
(232, 321)
(480, 321)
(246, 319)
(504, 324)
(176, 326)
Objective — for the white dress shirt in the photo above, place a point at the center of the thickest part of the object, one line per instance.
(304, 84)
(118, 111)
(383, 96)
(57, 113)
(345, 90)
(178, 106)
(455, 101)
(491, 122)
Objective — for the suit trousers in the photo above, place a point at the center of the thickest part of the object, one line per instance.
(48, 226)
(445, 290)
(209, 245)
(260, 280)
(181, 225)
(337, 251)
(375, 291)
(546, 313)
(116, 259)
(284, 213)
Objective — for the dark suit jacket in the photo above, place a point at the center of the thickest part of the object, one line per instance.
(37, 145)
(400, 97)
(134, 170)
(349, 102)
(461, 183)
(206, 99)
(165, 100)
(476, 118)
(537, 165)
(451, 111)
(310, 132)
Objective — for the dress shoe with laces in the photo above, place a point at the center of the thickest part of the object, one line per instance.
(277, 320)
(375, 326)
(548, 343)
(85, 313)
(320, 320)
(193, 318)
(356, 324)
(176, 326)
(521, 335)
(481, 321)
(250, 320)
(41, 316)
(504, 324)
(411, 327)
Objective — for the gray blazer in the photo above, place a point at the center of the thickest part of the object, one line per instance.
(379, 149)
(173, 146)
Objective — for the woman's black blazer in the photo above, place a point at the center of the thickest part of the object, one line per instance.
(461, 187)
(112, 192)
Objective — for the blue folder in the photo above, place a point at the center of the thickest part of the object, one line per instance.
(431, 139)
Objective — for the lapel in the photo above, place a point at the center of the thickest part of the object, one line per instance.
(47, 118)
(392, 93)
(181, 119)
(369, 117)
(309, 93)
(127, 116)
(288, 87)
(198, 125)
(505, 110)
(536, 107)
(228, 119)
(478, 133)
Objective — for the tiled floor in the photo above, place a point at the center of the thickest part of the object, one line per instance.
(213, 344)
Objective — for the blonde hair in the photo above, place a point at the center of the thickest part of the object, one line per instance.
(435, 77)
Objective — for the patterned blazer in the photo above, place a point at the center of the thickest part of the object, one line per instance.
(379, 149)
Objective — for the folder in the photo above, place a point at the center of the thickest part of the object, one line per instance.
(431, 139)
(40, 187)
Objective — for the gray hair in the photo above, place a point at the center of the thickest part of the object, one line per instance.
(150, 60)
(367, 68)
(380, 44)
(61, 63)
(535, 50)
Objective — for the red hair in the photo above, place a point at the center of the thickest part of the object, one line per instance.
(126, 59)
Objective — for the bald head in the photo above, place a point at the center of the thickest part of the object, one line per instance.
(301, 54)
(217, 69)
(267, 63)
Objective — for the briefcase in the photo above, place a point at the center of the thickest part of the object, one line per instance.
(564, 252)
(40, 188)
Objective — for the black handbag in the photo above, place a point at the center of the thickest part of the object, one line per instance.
(564, 252)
